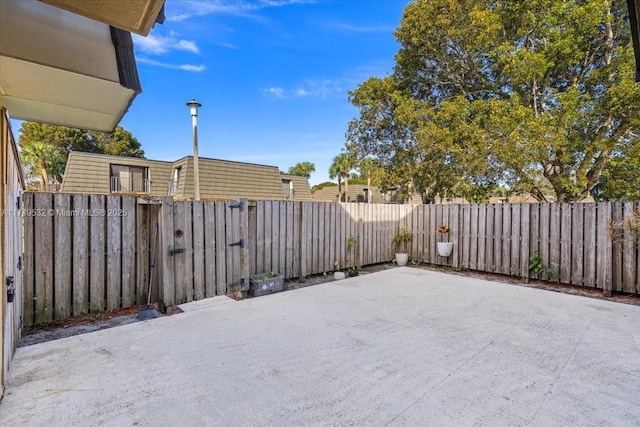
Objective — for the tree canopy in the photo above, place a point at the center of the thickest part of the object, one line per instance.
(323, 185)
(620, 180)
(45, 148)
(302, 169)
(42, 160)
(486, 94)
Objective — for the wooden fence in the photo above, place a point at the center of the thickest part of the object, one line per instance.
(97, 257)
(11, 188)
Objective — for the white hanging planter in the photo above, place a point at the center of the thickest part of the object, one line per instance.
(402, 259)
(445, 248)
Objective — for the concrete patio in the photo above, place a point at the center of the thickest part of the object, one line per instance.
(400, 347)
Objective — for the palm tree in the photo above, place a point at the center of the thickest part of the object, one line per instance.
(340, 168)
(302, 169)
(43, 158)
(366, 166)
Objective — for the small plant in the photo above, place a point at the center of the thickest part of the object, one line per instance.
(336, 265)
(628, 229)
(442, 230)
(352, 271)
(265, 276)
(351, 242)
(537, 267)
(401, 239)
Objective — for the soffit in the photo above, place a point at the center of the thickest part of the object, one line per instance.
(136, 16)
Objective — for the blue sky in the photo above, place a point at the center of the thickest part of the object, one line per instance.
(272, 76)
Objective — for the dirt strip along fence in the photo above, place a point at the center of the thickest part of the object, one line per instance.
(97, 258)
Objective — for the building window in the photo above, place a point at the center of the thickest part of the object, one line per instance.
(173, 184)
(287, 186)
(130, 179)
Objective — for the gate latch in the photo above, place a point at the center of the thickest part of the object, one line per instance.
(176, 251)
(239, 205)
(239, 243)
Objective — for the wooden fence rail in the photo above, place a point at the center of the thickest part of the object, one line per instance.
(91, 253)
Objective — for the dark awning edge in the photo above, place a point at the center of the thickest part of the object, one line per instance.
(635, 34)
(160, 18)
(126, 60)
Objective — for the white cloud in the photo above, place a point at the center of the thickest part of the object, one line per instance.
(343, 26)
(227, 45)
(155, 44)
(276, 92)
(182, 10)
(185, 67)
(188, 46)
(189, 67)
(321, 88)
(316, 88)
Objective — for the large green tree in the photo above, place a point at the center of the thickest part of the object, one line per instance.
(64, 139)
(620, 180)
(118, 143)
(485, 93)
(302, 169)
(42, 161)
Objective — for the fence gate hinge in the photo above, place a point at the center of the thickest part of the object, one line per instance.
(239, 243)
(236, 283)
(239, 205)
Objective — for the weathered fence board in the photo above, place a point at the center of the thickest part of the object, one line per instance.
(199, 254)
(525, 232)
(114, 253)
(62, 261)
(221, 249)
(629, 253)
(210, 249)
(28, 275)
(43, 260)
(128, 218)
(80, 255)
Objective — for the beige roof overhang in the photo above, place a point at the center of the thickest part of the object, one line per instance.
(136, 16)
(61, 68)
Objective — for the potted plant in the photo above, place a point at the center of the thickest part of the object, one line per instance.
(266, 283)
(400, 243)
(444, 248)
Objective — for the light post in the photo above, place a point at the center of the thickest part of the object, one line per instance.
(193, 106)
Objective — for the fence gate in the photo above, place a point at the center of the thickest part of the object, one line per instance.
(203, 250)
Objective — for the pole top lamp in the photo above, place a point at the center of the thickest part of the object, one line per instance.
(194, 105)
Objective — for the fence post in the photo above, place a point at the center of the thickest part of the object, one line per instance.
(163, 260)
(525, 233)
(244, 249)
(605, 248)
